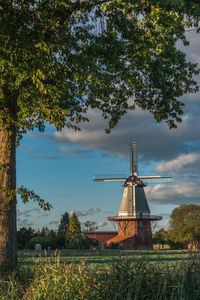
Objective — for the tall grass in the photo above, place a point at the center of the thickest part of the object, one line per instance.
(50, 279)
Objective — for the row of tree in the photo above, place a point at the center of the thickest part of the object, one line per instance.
(184, 226)
(68, 235)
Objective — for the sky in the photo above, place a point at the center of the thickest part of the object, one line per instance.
(60, 166)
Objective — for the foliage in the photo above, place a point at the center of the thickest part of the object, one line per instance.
(45, 242)
(185, 224)
(90, 226)
(27, 195)
(24, 235)
(160, 237)
(73, 229)
(51, 279)
(66, 57)
(82, 242)
(93, 242)
(114, 246)
(62, 229)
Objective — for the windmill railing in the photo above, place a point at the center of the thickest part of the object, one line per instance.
(131, 217)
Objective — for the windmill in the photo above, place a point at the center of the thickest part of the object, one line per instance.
(134, 218)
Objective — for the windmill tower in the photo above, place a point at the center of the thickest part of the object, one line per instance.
(134, 218)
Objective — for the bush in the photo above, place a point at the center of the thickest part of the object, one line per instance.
(82, 242)
(45, 242)
(113, 246)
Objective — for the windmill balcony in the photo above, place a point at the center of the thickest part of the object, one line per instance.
(134, 217)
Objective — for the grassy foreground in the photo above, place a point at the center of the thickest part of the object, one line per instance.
(131, 275)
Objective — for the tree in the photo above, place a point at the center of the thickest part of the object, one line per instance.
(62, 229)
(90, 226)
(60, 58)
(44, 232)
(74, 228)
(81, 241)
(24, 235)
(160, 237)
(185, 224)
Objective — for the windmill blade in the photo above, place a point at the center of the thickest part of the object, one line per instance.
(110, 177)
(134, 158)
(155, 179)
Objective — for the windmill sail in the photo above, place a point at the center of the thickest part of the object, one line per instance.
(134, 159)
(109, 177)
(154, 179)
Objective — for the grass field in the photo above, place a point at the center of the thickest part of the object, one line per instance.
(106, 274)
(163, 257)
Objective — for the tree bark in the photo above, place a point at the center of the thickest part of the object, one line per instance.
(8, 250)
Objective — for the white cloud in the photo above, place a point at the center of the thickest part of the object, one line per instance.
(25, 222)
(178, 163)
(81, 151)
(53, 223)
(154, 142)
(28, 212)
(179, 192)
(84, 213)
(101, 224)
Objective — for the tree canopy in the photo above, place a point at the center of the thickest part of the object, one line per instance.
(185, 224)
(90, 226)
(62, 229)
(63, 224)
(59, 58)
(74, 228)
(160, 237)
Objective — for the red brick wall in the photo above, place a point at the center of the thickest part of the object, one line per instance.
(141, 229)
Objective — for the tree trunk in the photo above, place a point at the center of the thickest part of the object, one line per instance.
(8, 250)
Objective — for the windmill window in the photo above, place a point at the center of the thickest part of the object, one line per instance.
(130, 242)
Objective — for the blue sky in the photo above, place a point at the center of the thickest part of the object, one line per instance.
(60, 166)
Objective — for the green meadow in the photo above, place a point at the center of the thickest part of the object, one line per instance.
(104, 274)
(106, 257)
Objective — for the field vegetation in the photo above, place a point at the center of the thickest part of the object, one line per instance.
(73, 274)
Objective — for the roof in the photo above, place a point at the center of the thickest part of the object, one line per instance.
(100, 232)
(117, 238)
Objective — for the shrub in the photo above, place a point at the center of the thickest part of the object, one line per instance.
(45, 242)
(80, 241)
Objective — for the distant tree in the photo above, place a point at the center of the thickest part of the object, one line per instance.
(62, 229)
(185, 224)
(160, 237)
(90, 226)
(73, 229)
(45, 231)
(24, 235)
(52, 234)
